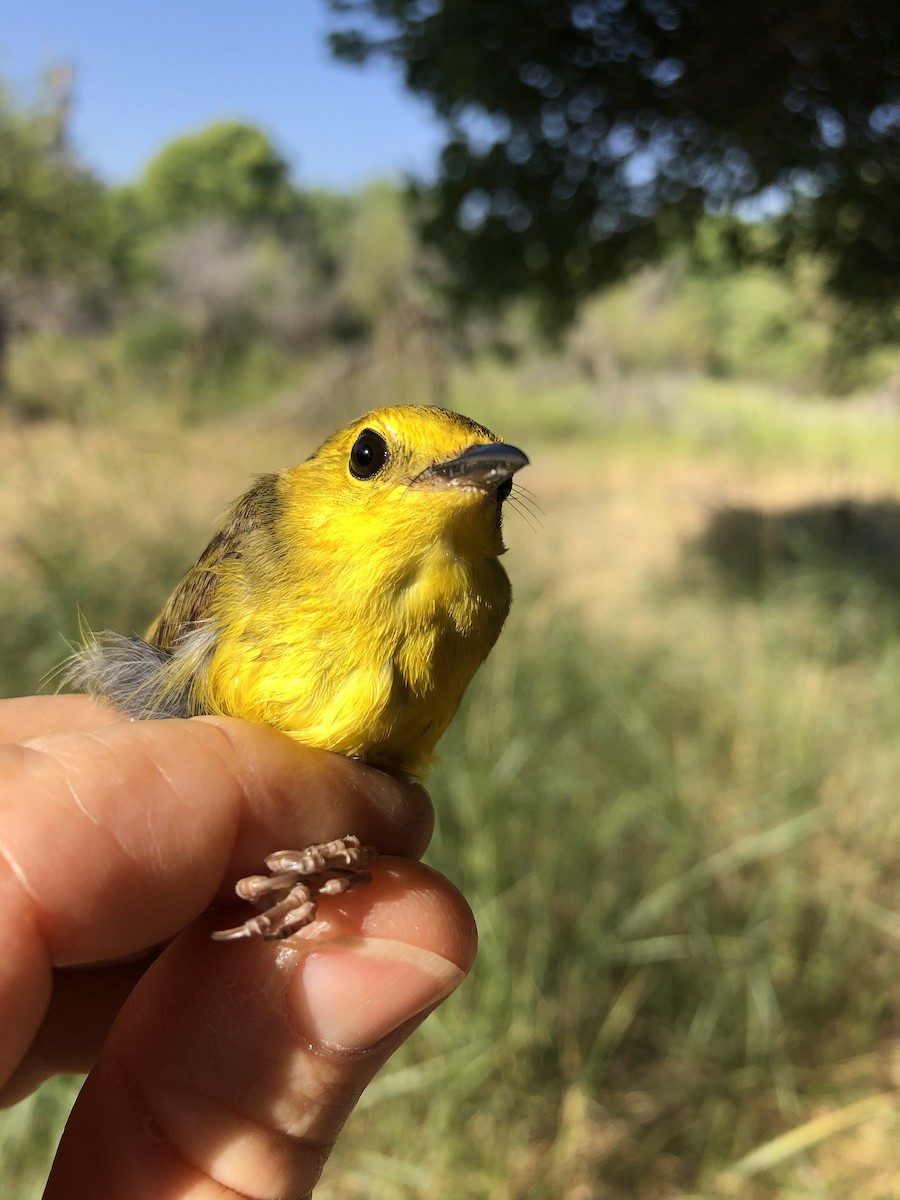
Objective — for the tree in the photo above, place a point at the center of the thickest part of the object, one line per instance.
(379, 255)
(228, 170)
(584, 136)
(52, 211)
(232, 240)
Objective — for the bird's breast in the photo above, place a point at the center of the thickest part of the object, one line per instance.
(378, 672)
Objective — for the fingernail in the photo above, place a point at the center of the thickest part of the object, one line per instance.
(352, 992)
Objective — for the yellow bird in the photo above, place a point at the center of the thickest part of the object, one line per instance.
(347, 601)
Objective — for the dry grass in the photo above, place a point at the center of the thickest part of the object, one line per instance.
(609, 531)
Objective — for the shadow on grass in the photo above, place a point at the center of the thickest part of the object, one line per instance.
(844, 543)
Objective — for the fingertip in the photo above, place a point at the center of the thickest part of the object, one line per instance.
(381, 957)
(407, 902)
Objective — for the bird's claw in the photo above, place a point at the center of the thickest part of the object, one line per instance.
(287, 896)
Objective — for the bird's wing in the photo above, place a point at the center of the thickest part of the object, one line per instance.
(191, 603)
(155, 676)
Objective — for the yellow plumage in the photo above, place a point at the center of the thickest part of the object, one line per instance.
(347, 601)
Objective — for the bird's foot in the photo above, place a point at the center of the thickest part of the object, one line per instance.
(287, 896)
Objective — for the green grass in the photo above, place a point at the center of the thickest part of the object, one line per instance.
(668, 974)
(65, 569)
(679, 415)
(119, 378)
(128, 374)
(763, 425)
(680, 842)
(29, 1134)
(665, 962)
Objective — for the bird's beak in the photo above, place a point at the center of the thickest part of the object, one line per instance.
(484, 467)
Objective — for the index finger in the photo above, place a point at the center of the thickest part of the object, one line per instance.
(118, 836)
(36, 716)
(112, 839)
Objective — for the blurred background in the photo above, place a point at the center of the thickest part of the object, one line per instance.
(655, 243)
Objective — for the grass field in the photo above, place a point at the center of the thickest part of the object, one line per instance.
(670, 795)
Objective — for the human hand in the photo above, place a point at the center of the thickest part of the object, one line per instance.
(221, 1067)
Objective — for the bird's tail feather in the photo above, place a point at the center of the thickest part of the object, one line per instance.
(142, 680)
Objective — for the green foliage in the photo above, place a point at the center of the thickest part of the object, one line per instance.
(129, 240)
(766, 330)
(29, 1134)
(151, 340)
(331, 215)
(378, 255)
(756, 322)
(50, 208)
(152, 363)
(216, 266)
(583, 138)
(56, 266)
(228, 169)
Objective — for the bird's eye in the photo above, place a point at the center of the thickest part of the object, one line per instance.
(504, 489)
(369, 454)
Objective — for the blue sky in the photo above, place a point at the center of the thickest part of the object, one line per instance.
(146, 73)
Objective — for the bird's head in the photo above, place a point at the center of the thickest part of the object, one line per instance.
(402, 479)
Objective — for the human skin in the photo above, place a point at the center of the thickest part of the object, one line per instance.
(216, 1069)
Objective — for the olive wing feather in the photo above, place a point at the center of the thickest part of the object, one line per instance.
(154, 676)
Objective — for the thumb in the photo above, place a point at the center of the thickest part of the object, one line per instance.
(235, 1066)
